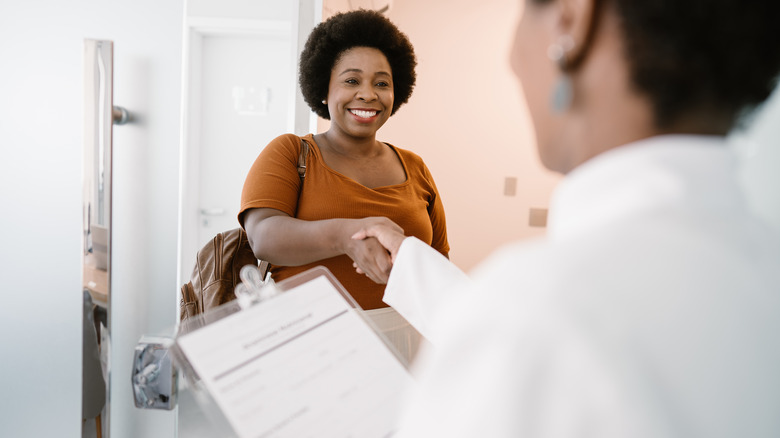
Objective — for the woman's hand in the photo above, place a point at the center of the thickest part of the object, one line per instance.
(369, 257)
(386, 233)
(368, 254)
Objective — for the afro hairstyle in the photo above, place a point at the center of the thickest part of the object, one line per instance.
(361, 28)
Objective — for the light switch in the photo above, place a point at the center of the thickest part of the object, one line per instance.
(510, 186)
(537, 217)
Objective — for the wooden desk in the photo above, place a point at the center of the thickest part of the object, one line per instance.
(96, 282)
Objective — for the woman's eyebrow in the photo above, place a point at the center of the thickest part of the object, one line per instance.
(351, 70)
(357, 70)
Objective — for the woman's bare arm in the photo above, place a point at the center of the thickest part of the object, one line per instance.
(286, 241)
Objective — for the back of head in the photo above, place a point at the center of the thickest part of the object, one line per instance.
(714, 58)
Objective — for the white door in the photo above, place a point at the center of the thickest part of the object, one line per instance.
(240, 91)
(246, 84)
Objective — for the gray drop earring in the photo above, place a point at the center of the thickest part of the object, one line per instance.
(562, 93)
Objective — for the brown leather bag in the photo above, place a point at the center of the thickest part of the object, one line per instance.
(219, 262)
(216, 273)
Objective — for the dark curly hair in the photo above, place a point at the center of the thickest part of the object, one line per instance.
(716, 57)
(361, 28)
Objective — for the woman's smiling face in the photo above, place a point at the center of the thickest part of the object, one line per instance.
(360, 93)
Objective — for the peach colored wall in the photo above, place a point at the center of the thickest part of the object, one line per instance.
(467, 120)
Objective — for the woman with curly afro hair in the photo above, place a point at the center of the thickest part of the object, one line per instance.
(357, 70)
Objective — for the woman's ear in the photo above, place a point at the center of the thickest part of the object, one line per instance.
(577, 22)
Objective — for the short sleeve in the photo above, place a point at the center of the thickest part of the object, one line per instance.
(273, 180)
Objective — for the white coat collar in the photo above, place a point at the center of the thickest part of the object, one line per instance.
(669, 170)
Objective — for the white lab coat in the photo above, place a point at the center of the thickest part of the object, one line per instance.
(651, 309)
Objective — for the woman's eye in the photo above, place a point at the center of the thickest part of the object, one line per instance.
(382, 84)
(351, 81)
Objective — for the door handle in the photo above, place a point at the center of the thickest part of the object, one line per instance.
(212, 211)
(154, 375)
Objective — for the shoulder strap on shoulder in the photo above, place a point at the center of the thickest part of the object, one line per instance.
(302, 159)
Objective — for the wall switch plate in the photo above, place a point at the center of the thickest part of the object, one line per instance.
(537, 217)
(510, 186)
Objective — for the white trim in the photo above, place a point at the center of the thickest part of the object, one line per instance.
(236, 26)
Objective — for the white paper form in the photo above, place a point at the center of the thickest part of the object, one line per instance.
(302, 364)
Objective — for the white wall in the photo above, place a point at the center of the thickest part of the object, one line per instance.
(41, 45)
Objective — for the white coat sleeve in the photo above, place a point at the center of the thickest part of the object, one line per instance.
(421, 282)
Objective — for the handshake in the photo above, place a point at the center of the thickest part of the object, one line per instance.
(375, 246)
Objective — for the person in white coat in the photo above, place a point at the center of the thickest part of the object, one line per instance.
(652, 306)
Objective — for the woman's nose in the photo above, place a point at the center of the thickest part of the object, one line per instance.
(366, 93)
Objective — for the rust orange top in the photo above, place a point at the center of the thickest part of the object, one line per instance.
(415, 204)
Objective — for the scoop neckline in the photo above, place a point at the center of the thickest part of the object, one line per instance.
(316, 147)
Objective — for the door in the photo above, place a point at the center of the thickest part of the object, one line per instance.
(246, 84)
(240, 91)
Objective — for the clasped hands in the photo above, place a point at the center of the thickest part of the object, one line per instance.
(374, 247)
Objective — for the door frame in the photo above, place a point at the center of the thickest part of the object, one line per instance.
(301, 119)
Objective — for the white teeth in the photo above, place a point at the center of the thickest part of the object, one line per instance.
(363, 114)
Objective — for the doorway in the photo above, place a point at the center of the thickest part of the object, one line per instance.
(247, 80)
(240, 92)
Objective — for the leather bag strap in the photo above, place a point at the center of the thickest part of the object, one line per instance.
(302, 159)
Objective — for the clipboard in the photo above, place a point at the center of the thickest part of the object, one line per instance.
(301, 362)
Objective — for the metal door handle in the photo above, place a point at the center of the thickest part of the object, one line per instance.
(212, 211)
(154, 376)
